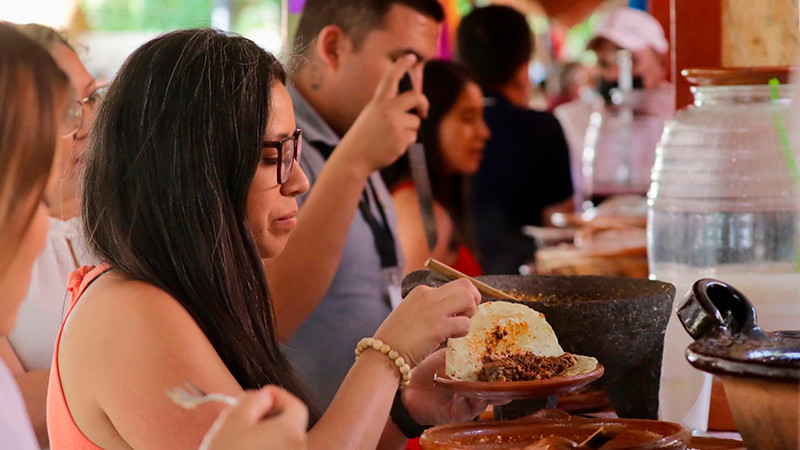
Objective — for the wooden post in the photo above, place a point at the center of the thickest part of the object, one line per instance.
(660, 9)
(696, 35)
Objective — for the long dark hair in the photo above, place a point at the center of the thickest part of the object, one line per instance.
(443, 82)
(33, 93)
(175, 149)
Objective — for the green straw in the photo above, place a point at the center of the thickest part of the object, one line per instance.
(786, 147)
(780, 126)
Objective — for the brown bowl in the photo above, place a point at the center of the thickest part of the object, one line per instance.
(517, 434)
(760, 369)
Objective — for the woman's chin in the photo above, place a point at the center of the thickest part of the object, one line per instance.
(273, 248)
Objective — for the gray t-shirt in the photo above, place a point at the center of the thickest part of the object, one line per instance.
(357, 301)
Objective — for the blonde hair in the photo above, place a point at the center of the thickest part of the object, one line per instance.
(32, 94)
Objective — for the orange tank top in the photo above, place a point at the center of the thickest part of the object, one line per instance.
(61, 428)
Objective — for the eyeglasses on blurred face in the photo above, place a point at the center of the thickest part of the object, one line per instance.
(80, 113)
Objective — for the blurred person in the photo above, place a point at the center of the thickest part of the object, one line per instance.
(347, 227)
(28, 350)
(34, 94)
(182, 293)
(573, 79)
(525, 174)
(454, 135)
(622, 29)
(641, 34)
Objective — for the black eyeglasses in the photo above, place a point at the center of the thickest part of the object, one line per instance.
(289, 150)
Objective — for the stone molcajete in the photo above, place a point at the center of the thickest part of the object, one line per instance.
(619, 321)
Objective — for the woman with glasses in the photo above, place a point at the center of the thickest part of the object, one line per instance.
(28, 351)
(190, 184)
(35, 93)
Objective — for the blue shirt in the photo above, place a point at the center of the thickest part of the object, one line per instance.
(357, 301)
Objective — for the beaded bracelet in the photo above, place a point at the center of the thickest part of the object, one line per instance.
(377, 344)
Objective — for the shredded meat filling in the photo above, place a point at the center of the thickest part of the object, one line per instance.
(524, 367)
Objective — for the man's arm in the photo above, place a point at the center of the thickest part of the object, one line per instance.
(300, 276)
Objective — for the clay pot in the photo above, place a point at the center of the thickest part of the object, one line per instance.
(760, 369)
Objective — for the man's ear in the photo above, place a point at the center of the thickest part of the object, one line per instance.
(331, 44)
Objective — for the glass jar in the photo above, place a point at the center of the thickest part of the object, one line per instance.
(620, 142)
(723, 204)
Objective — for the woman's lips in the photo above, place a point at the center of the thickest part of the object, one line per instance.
(287, 221)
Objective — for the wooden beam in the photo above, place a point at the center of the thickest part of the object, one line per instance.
(696, 36)
(660, 9)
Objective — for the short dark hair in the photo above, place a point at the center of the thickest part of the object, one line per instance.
(355, 17)
(494, 42)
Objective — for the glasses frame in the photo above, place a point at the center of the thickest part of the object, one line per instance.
(297, 139)
(80, 111)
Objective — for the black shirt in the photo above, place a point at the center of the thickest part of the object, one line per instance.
(525, 168)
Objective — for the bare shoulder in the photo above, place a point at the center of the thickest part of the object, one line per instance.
(115, 306)
(133, 334)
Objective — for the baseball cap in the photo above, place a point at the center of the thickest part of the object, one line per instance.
(630, 29)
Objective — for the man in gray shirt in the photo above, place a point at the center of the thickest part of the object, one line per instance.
(339, 275)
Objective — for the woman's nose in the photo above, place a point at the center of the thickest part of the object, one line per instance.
(298, 182)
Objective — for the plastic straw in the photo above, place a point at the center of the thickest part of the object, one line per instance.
(780, 126)
(786, 147)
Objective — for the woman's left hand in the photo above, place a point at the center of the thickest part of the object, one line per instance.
(428, 405)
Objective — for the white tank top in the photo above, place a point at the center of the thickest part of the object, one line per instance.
(16, 431)
(43, 310)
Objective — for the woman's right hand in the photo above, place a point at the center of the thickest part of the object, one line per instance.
(270, 418)
(429, 316)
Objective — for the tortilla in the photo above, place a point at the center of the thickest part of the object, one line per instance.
(502, 329)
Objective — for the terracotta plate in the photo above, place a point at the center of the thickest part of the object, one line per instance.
(710, 443)
(517, 434)
(516, 390)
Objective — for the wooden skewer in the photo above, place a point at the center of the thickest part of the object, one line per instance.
(600, 437)
(452, 274)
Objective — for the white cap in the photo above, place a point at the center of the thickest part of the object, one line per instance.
(631, 29)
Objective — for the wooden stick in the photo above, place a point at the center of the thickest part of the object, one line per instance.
(452, 274)
(600, 437)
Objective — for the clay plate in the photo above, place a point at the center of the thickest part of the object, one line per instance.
(516, 434)
(518, 390)
(710, 443)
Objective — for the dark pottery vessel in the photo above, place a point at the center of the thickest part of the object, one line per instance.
(760, 369)
(619, 321)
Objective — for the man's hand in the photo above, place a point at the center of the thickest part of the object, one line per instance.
(386, 127)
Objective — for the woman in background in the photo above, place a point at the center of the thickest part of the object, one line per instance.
(28, 350)
(454, 135)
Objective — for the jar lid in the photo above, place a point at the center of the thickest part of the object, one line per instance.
(734, 76)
